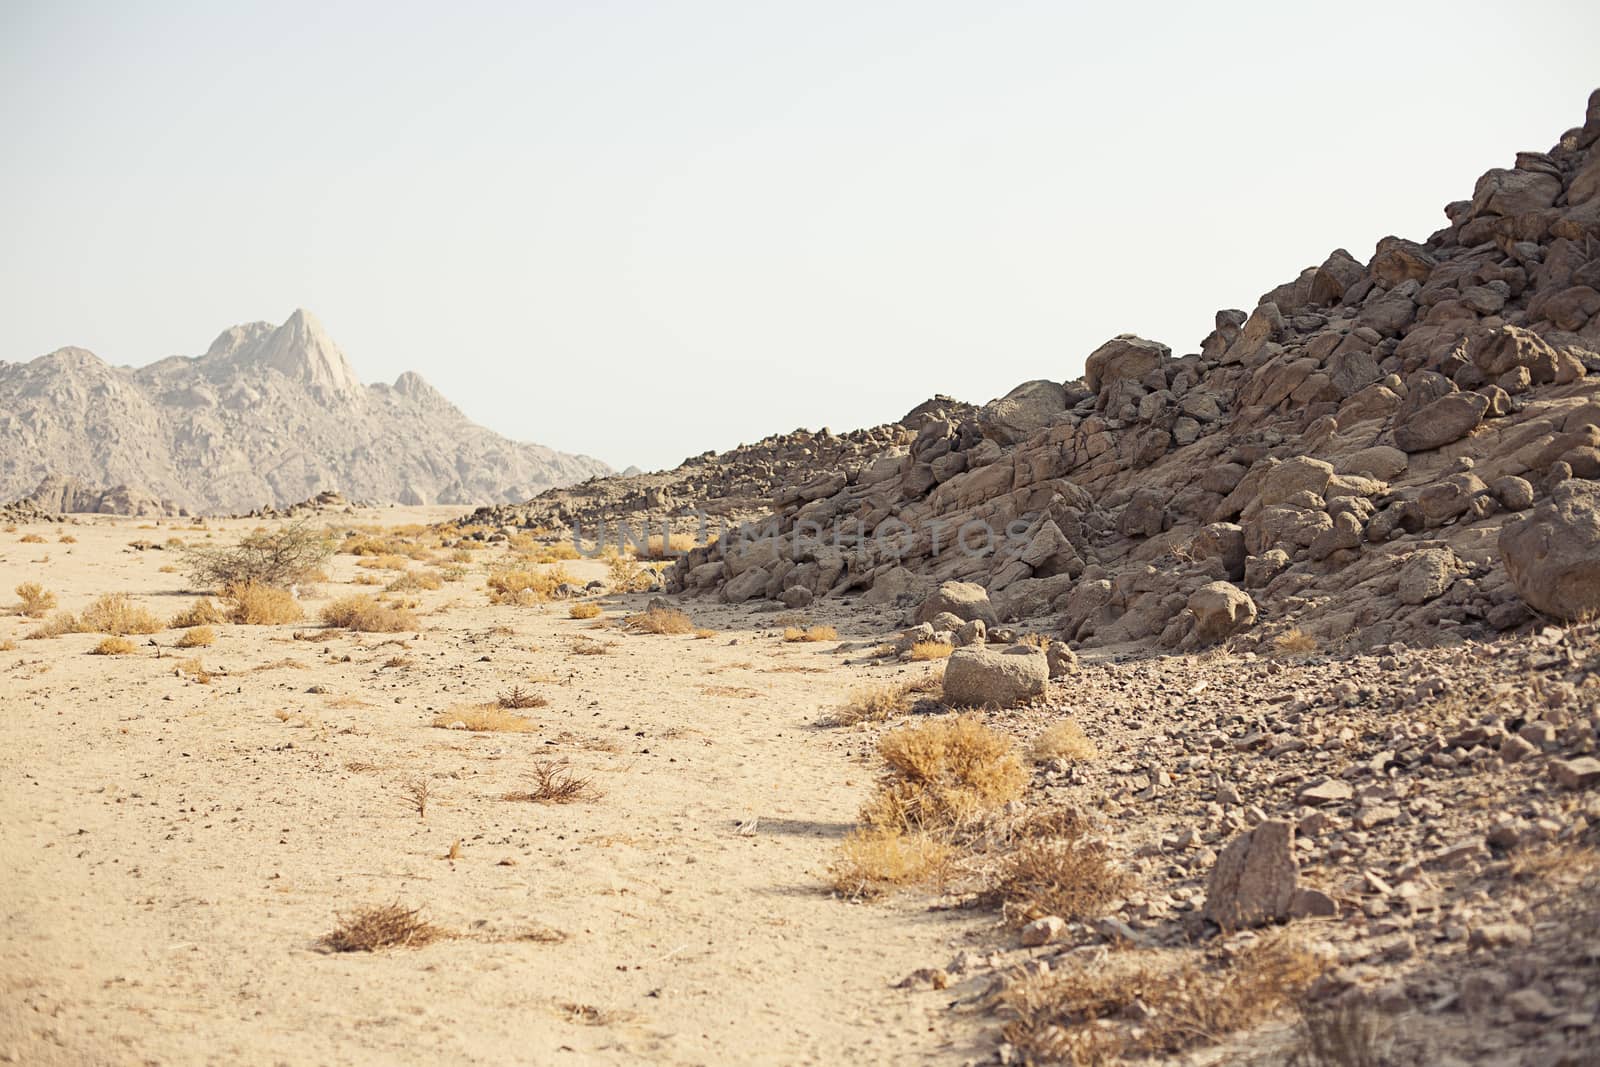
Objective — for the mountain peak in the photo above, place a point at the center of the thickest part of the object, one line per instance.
(301, 349)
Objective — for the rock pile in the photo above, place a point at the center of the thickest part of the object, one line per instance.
(1396, 450)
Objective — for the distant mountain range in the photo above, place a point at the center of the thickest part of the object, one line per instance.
(269, 416)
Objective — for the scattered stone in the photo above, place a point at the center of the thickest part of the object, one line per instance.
(1255, 878)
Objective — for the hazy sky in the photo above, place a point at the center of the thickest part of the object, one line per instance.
(645, 230)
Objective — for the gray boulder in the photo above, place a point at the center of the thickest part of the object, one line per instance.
(965, 600)
(1553, 555)
(977, 677)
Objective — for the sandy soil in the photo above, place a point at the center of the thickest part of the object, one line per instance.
(173, 851)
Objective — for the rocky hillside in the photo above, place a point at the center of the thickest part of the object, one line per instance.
(1397, 449)
(266, 417)
(727, 487)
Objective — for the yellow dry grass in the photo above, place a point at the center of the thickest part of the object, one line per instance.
(525, 587)
(661, 621)
(944, 774)
(203, 612)
(197, 637)
(1063, 739)
(484, 718)
(35, 600)
(1071, 876)
(810, 634)
(874, 858)
(587, 609)
(367, 614)
(116, 613)
(255, 604)
(387, 926)
(1294, 642)
(883, 701)
(928, 650)
(113, 646)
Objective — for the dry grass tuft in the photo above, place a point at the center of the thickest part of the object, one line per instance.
(623, 575)
(416, 581)
(62, 622)
(588, 646)
(36, 600)
(113, 646)
(254, 604)
(8, 645)
(1063, 739)
(926, 650)
(197, 637)
(810, 634)
(876, 858)
(944, 774)
(555, 783)
(366, 614)
(588, 609)
(1070, 876)
(1295, 642)
(1138, 1004)
(195, 669)
(660, 621)
(516, 698)
(31, 539)
(1348, 1034)
(203, 612)
(878, 703)
(116, 613)
(483, 718)
(385, 926)
(389, 562)
(525, 587)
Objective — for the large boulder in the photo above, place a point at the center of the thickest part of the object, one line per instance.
(1029, 407)
(1448, 419)
(965, 600)
(1255, 878)
(977, 677)
(1125, 356)
(1553, 555)
(1220, 610)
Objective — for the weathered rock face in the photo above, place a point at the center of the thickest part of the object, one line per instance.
(268, 416)
(964, 600)
(977, 677)
(1306, 452)
(1553, 556)
(1255, 878)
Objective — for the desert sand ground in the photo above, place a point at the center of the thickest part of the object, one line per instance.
(173, 851)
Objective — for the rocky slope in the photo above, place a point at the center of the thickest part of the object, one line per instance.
(267, 416)
(1400, 449)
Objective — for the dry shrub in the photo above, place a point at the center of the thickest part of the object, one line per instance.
(1040, 641)
(484, 718)
(878, 703)
(588, 646)
(197, 637)
(31, 539)
(675, 545)
(926, 650)
(116, 613)
(810, 634)
(660, 621)
(113, 646)
(385, 926)
(8, 645)
(36, 600)
(416, 581)
(1071, 876)
(944, 774)
(623, 575)
(1137, 1004)
(586, 610)
(1347, 1034)
(517, 698)
(67, 539)
(1064, 739)
(277, 558)
(384, 563)
(555, 783)
(366, 614)
(62, 622)
(525, 587)
(255, 604)
(875, 858)
(1295, 642)
(532, 550)
(203, 612)
(703, 633)
(195, 669)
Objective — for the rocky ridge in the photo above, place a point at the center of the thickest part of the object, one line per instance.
(269, 415)
(1395, 450)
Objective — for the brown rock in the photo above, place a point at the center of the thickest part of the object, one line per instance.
(1255, 878)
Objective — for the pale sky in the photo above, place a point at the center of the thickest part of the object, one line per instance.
(643, 230)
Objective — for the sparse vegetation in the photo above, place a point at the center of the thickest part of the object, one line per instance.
(1063, 739)
(416, 581)
(35, 600)
(62, 622)
(518, 699)
(1079, 1013)
(810, 634)
(943, 774)
(484, 718)
(624, 575)
(1071, 876)
(203, 612)
(525, 587)
(385, 926)
(874, 858)
(277, 558)
(877, 703)
(555, 783)
(1295, 642)
(930, 650)
(416, 793)
(660, 620)
(586, 609)
(116, 613)
(197, 637)
(1347, 1034)
(113, 646)
(31, 539)
(255, 604)
(8, 645)
(367, 614)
